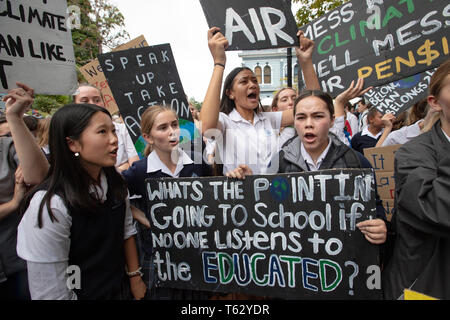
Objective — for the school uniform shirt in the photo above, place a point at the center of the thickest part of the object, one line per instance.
(46, 249)
(353, 120)
(245, 143)
(365, 139)
(125, 144)
(402, 135)
(309, 161)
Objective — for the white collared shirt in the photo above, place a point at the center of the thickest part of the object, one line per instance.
(309, 161)
(402, 135)
(154, 163)
(245, 143)
(448, 138)
(125, 144)
(366, 132)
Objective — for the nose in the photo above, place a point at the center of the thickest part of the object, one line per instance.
(113, 138)
(308, 122)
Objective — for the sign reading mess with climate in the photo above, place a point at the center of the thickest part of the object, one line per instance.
(252, 24)
(379, 40)
(288, 236)
(36, 46)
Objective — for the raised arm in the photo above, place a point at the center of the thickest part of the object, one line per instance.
(352, 91)
(388, 121)
(31, 158)
(304, 57)
(209, 115)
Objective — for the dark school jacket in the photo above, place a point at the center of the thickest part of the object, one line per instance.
(339, 156)
(421, 255)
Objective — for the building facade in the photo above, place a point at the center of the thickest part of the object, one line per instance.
(270, 67)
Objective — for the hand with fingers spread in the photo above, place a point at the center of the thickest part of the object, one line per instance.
(353, 91)
(18, 100)
(374, 230)
(217, 44)
(240, 172)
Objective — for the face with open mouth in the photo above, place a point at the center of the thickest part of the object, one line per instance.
(313, 122)
(164, 135)
(97, 145)
(245, 90)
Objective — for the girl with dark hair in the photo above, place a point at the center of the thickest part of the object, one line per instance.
(78, 220)
(421, 251)
(316, 148)
(248, 136)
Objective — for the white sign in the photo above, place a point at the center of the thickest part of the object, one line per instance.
(36, 46)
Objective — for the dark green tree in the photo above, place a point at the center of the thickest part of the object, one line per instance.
(313, 9)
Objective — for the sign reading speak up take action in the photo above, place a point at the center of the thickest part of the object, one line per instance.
(291, 236)
(252, 24)
(380, 41)
(142, 77)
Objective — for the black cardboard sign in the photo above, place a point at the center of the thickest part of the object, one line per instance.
(290, 236)
(380, 41)
(399, 96)
(252, 24)
(140, 78)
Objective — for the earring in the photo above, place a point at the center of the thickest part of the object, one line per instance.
(77, 154)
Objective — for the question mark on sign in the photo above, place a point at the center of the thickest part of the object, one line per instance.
(352, 276)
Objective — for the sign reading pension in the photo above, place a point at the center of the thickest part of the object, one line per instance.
(290, 236)
(379, 40)
(252, 24)
(36, 46)
(399, 96)
(142, 77)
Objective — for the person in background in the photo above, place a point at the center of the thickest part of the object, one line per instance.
(42, 134)
(13, 269)
(362, 109)
(370, 135)
(284, 100)
(127, 154)
(420, 259)
(352, 120)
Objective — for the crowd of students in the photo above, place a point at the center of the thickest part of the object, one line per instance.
(86, 185)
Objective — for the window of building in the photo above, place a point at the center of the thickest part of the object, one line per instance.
(258, 73)
(267, 74)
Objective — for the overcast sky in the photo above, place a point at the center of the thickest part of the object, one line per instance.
(182, 24)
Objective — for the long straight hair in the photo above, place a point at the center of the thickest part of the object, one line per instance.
(66, 176)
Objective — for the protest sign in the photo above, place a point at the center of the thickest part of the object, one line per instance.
(142, 77)
(399, 96)
(36, 46)
(93, 73)
(290, 236)
(252, 24)
(379, 41)
(382, 161)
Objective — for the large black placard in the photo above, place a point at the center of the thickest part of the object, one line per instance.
(252, 24)
(380, 41)
(140, 78)
(290, 236)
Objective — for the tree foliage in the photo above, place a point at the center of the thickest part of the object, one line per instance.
(313, 9)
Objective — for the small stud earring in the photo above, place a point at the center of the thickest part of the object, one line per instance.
(77, 154)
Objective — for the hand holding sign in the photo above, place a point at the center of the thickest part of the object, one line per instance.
(217, 44)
